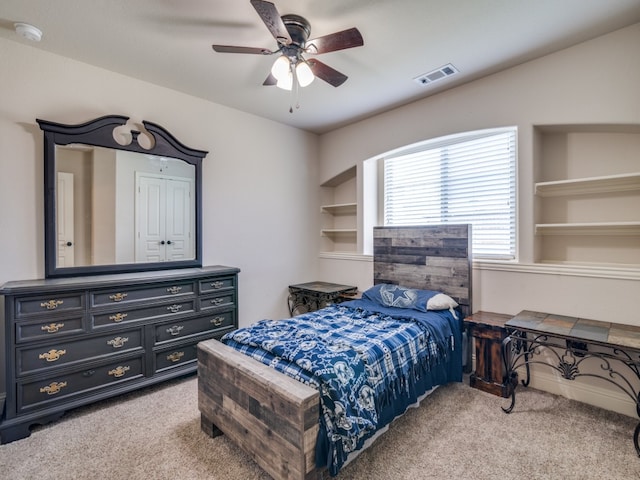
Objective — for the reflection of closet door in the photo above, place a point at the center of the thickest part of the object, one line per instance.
(178, 220)
(163, 219)
(64, 219)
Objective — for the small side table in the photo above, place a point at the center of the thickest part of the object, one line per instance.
(311, 296)
(488, 331)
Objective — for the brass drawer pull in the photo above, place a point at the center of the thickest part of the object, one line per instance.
(217, 301)
(175, 356)
(175, 330)
(52, 327)
(118, 297)
(118, 342)
(52, 355)
(119, 371)
(174, 308)
(52, 304)
(217, 284)
(118, 317)
(174, 290)
(53, 388)
(217, 321)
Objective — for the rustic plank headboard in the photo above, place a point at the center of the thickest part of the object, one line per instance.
(430, 257)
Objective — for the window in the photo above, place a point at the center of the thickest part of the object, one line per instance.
(464, 178)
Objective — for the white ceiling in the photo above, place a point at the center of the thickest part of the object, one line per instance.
(168, 42)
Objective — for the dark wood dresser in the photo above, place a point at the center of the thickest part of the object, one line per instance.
(73, 341)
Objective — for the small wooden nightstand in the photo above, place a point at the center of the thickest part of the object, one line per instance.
(488, 331)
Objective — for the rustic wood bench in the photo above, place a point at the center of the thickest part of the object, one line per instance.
(574, 347)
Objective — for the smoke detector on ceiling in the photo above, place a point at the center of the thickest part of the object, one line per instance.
(437, 74)
(28, 31)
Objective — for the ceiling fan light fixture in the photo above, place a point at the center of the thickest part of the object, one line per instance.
(281, 68)
(304, 74)
(286, 82)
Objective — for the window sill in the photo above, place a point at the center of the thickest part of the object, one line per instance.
(346, 256)
(618, 272)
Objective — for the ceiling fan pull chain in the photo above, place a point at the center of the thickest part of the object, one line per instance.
(292, 99)
(295, 90)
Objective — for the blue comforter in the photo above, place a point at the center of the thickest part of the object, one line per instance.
(368, 362)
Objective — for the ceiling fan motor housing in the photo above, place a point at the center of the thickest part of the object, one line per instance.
(299, 30)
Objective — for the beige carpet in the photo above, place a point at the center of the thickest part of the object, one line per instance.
(457, 433)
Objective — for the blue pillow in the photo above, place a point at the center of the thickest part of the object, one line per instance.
(403, 297)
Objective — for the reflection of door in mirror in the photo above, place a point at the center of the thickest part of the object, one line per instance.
(107, 216)
(64, 219)
(73, 209)
(164, 220)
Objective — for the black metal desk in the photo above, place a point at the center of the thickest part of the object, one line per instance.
(575, 348)
(311, 296)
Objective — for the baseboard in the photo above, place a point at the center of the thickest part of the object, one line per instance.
(584, 390)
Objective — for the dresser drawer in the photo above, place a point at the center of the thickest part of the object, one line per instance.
(128, 315)
(222, 300)
(127, 295)
(39, 394)
(211, 285)
(34, 359)
(194, 326)
(26, 307)
(65, 326)
(176, 357)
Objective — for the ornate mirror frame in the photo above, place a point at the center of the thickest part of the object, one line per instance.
(100, 133)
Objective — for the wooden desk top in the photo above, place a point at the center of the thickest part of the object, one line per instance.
(573, 328)
(488, 319)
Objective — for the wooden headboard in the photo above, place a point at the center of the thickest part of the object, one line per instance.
(433, 257)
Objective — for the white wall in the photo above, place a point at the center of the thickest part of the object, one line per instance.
(594, 82)
(256, 178)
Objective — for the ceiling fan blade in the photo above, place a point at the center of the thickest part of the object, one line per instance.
(326, 73)
(271, 18)
(335, 41)
(233, 49)
(270, 80)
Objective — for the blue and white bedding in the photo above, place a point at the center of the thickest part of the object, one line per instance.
(368, 361)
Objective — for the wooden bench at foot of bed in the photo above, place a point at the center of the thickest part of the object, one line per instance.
(272, 417)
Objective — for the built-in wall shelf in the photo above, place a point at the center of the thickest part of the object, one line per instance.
(587, 195)
(340, 209)
(591, 185)
(330, 232)
(594, 228)
(339, 213)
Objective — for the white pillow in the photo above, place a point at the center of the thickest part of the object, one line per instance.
(442, 302)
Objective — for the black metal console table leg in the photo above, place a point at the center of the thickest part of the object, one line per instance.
(520, 351)
(511, 376)
(514, 348)
(636, 433)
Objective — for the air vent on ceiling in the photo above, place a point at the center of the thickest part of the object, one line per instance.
(435, 75)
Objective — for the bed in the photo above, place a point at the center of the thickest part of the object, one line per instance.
(282, 420)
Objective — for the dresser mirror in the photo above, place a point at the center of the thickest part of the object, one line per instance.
(119, 199)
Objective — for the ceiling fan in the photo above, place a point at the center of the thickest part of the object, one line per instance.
(292, 35)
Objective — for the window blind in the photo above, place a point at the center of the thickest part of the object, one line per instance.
(467, 178)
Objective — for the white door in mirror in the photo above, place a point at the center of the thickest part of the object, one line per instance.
(164, 218)
(64, 219)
